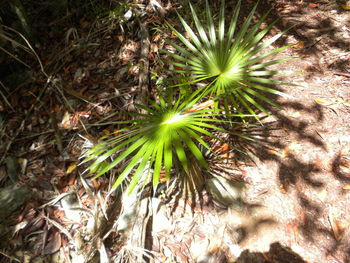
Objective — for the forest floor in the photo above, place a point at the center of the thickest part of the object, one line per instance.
(296, 199)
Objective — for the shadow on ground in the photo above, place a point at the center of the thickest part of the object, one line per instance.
(277, 254)
(297, 173)
(315, 27)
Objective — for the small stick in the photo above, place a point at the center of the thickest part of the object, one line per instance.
(342, 74)
(9, 256)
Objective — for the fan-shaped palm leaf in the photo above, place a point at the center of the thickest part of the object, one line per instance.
(230, 61)
(166, 133)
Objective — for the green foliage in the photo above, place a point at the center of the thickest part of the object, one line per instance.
(231, 64)
(229, 60)
(167, 132)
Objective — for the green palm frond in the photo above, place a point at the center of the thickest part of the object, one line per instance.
(229, 60)
(167, 133)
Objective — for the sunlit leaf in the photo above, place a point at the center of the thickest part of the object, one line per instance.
(323, 102)
(346, 187)
(71, 168)
(228, 56)
(169, 133)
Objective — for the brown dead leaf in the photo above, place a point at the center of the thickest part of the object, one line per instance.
(96, 184)
(176, 250)
(285, 152)
(54, 243)
(65, 120)
(59, 214)
(34, 225)
(225, 156)
(283, 189)
(338, 227)
(75, 118)
(313, 5)
(289, 149)
(299, 45)
(273, 152)
(106, 132)
(54, 170)
(75, 151)
(71, 180)
(346, 7)
(221, 148)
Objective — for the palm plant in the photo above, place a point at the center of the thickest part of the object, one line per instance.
(166, 134)
(171, 133)
(229, 62)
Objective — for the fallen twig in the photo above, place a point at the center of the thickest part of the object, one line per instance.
(342, 74)
(9, 256)
(59, 226)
